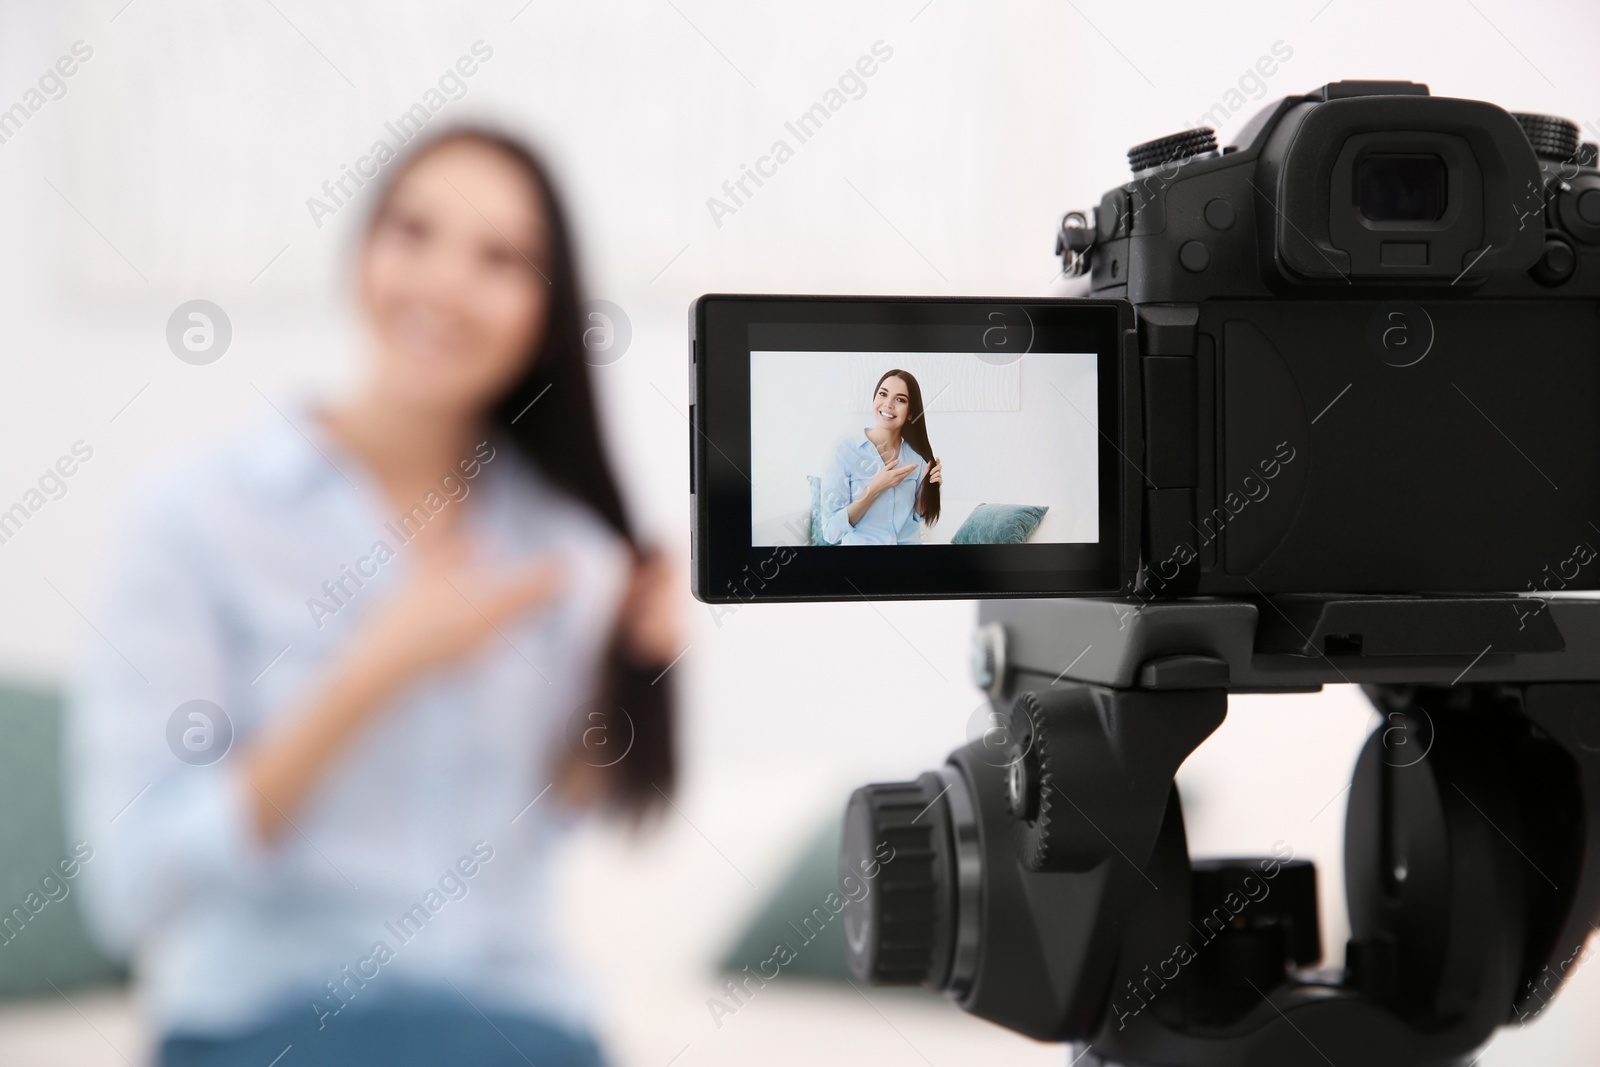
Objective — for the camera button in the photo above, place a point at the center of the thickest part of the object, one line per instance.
(1557, 264)
(1578, 208)
(1219, 214)
(1589, 206)
(1194, 256)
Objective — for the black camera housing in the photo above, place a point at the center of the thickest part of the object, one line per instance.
(1359, 354)
(1433, 370)
(1364, 362)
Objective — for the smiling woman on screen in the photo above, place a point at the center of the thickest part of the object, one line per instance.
(347, 654)
(883, 486)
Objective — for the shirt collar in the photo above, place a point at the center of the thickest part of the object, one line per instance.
(866, 443)
(290, 454)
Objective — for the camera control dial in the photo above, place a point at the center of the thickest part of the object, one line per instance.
(1552, 137)
(1172, 148)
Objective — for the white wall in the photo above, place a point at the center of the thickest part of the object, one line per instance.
(1043, 450)
(179, 162)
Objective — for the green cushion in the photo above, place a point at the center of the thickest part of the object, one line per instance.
(42, 939)
(799, 910)
(999, 524)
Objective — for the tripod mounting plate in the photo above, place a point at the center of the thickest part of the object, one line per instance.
(1295, 643)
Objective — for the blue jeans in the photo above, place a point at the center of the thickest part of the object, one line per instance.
(432, 1032)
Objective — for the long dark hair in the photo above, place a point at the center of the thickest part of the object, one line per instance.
(915, 434)
(560, 436)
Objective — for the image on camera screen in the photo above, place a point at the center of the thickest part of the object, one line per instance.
(923, 448)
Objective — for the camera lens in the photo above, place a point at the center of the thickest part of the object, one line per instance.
(1392, 187)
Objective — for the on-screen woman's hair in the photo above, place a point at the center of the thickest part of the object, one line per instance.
(915, 434)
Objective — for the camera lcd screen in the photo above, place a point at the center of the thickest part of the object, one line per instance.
(848, 448)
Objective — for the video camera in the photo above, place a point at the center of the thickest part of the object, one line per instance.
(1328, 409)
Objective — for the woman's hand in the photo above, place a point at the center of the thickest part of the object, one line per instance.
(649, 634)
(935, 474)
(443, 613)
(449, 607)
(887, 478)
(652, 630)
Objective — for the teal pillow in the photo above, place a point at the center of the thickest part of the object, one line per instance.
(999, 524)
(44, 940)
(816, 509)
(797, 915)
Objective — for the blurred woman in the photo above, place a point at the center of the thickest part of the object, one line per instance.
(883, 486)
(361, 665)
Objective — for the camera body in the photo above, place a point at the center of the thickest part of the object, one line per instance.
(1367, 347)
(1364, 361)
(1356, 353)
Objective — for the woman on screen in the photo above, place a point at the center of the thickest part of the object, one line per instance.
(347, 654)
(883, 486)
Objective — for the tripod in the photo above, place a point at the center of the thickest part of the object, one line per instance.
(1472, 871)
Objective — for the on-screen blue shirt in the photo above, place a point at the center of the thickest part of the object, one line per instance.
(219, 566)
(891, 519)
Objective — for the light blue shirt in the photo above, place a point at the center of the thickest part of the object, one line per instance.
(217, 593)
(891, 519)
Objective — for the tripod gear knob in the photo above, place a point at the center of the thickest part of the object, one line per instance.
(896, 875)
(1088, 780)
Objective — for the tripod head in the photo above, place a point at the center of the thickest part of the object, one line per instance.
(1042, 879)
